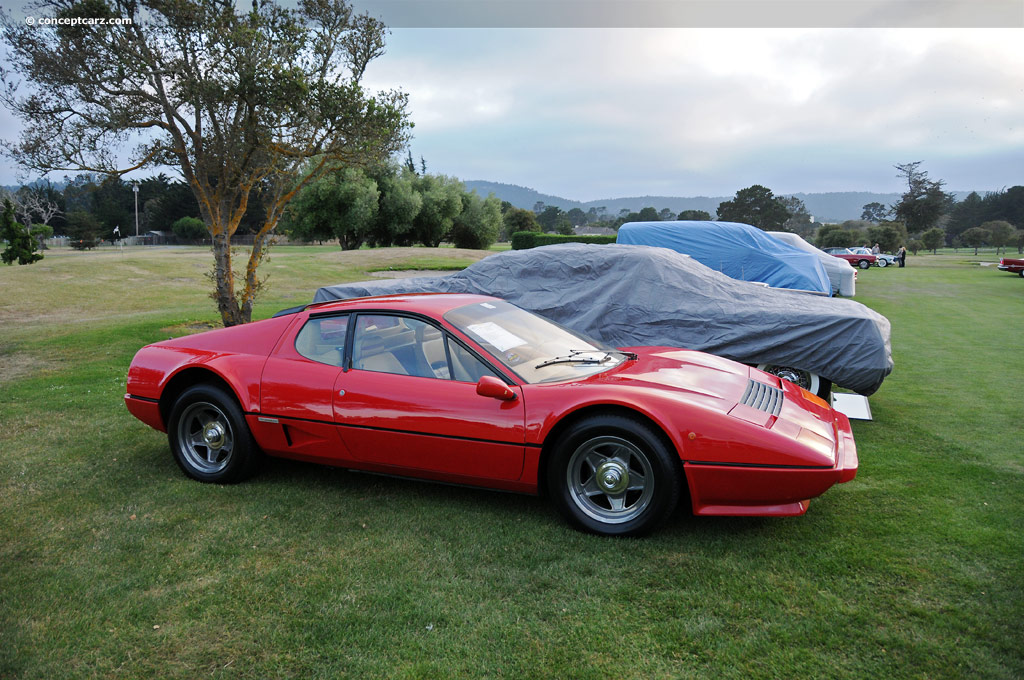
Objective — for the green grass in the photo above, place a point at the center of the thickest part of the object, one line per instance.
(112, 564)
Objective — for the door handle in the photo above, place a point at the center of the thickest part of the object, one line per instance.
(341, 393)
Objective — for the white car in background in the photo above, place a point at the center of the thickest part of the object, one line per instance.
(883, 260)
(841, 274)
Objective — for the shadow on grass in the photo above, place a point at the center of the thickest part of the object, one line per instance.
(296, 488)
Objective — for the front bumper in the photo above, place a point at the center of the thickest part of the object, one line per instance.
(147, 410)
(749, 490)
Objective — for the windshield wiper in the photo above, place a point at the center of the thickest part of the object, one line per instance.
(575, 358)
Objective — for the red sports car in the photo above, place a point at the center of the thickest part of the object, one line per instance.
(471, 389)
(1014, 265)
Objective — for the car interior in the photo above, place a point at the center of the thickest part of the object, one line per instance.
(390, 344)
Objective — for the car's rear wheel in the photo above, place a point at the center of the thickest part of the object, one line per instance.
(864, 264)
(613, 475)
(209, 437)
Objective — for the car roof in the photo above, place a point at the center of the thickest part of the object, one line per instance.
(433, 304)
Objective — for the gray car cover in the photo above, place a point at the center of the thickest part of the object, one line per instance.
(639, 295)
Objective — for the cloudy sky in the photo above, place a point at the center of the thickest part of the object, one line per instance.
(585, 110)
(589, 113)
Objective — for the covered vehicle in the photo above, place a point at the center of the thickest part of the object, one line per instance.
(737, 250)
(472, 390)
(636, 295)
(841, 274)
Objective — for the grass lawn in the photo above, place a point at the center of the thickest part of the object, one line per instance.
(113, 564)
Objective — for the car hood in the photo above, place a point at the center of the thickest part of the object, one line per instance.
(742, 392)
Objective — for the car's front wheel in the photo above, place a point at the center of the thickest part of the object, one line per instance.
(864, 264)
(882, 262)
(613, 475)
(209, 437)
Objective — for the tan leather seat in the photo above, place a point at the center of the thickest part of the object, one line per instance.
(384, 362)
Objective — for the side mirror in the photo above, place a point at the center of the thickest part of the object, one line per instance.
(489, 386)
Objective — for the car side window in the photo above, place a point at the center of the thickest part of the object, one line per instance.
(465, 366)
(396, 344)
(406, 346)
(323, 339)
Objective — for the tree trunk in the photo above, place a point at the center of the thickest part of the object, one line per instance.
(224, 283)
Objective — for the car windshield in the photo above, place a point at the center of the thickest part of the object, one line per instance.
(535, 349)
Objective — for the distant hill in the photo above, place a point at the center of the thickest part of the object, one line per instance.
(835, 206)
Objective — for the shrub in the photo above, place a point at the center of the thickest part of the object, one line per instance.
(522, 240)
(190, 229)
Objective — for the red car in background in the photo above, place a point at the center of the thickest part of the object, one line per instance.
(1012, 265)
(470, 389)
(862, 260)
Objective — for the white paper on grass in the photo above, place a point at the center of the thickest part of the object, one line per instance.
(496, 336)
(853, 406)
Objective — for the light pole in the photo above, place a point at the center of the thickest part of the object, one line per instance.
(135, 188)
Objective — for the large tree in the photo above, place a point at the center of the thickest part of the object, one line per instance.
(924, 201)
(398, 207)
(975, 237)
(933, 239)
(441, 203)
(518, 219)
(799, 221)
(341, 205)
(754, 205)
(888, 235)
(479, 223)
(875, 212)
(21, 247)
(1001, 233)
(698, 215)
(239, 102)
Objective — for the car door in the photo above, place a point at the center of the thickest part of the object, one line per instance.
(297, 393)
(408, 401)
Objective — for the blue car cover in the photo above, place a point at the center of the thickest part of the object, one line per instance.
(739, 251)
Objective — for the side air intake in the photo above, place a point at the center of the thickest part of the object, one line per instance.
(763, 397)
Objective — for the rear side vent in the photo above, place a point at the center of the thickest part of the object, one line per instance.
(763, 397)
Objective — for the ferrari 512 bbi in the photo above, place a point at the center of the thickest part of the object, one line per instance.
(470, 389)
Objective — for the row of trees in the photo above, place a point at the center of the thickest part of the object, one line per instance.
(389, 205)
(88, 208)
(400, 204)
(935, 219)
(925, 217)
(755, 205)
(551, 218)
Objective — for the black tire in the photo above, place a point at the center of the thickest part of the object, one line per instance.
(864, 264)
(614, 476)
(1021, 273)
(209, 437)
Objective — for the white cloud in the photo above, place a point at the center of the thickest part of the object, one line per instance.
(631, 111)
(591, 113)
